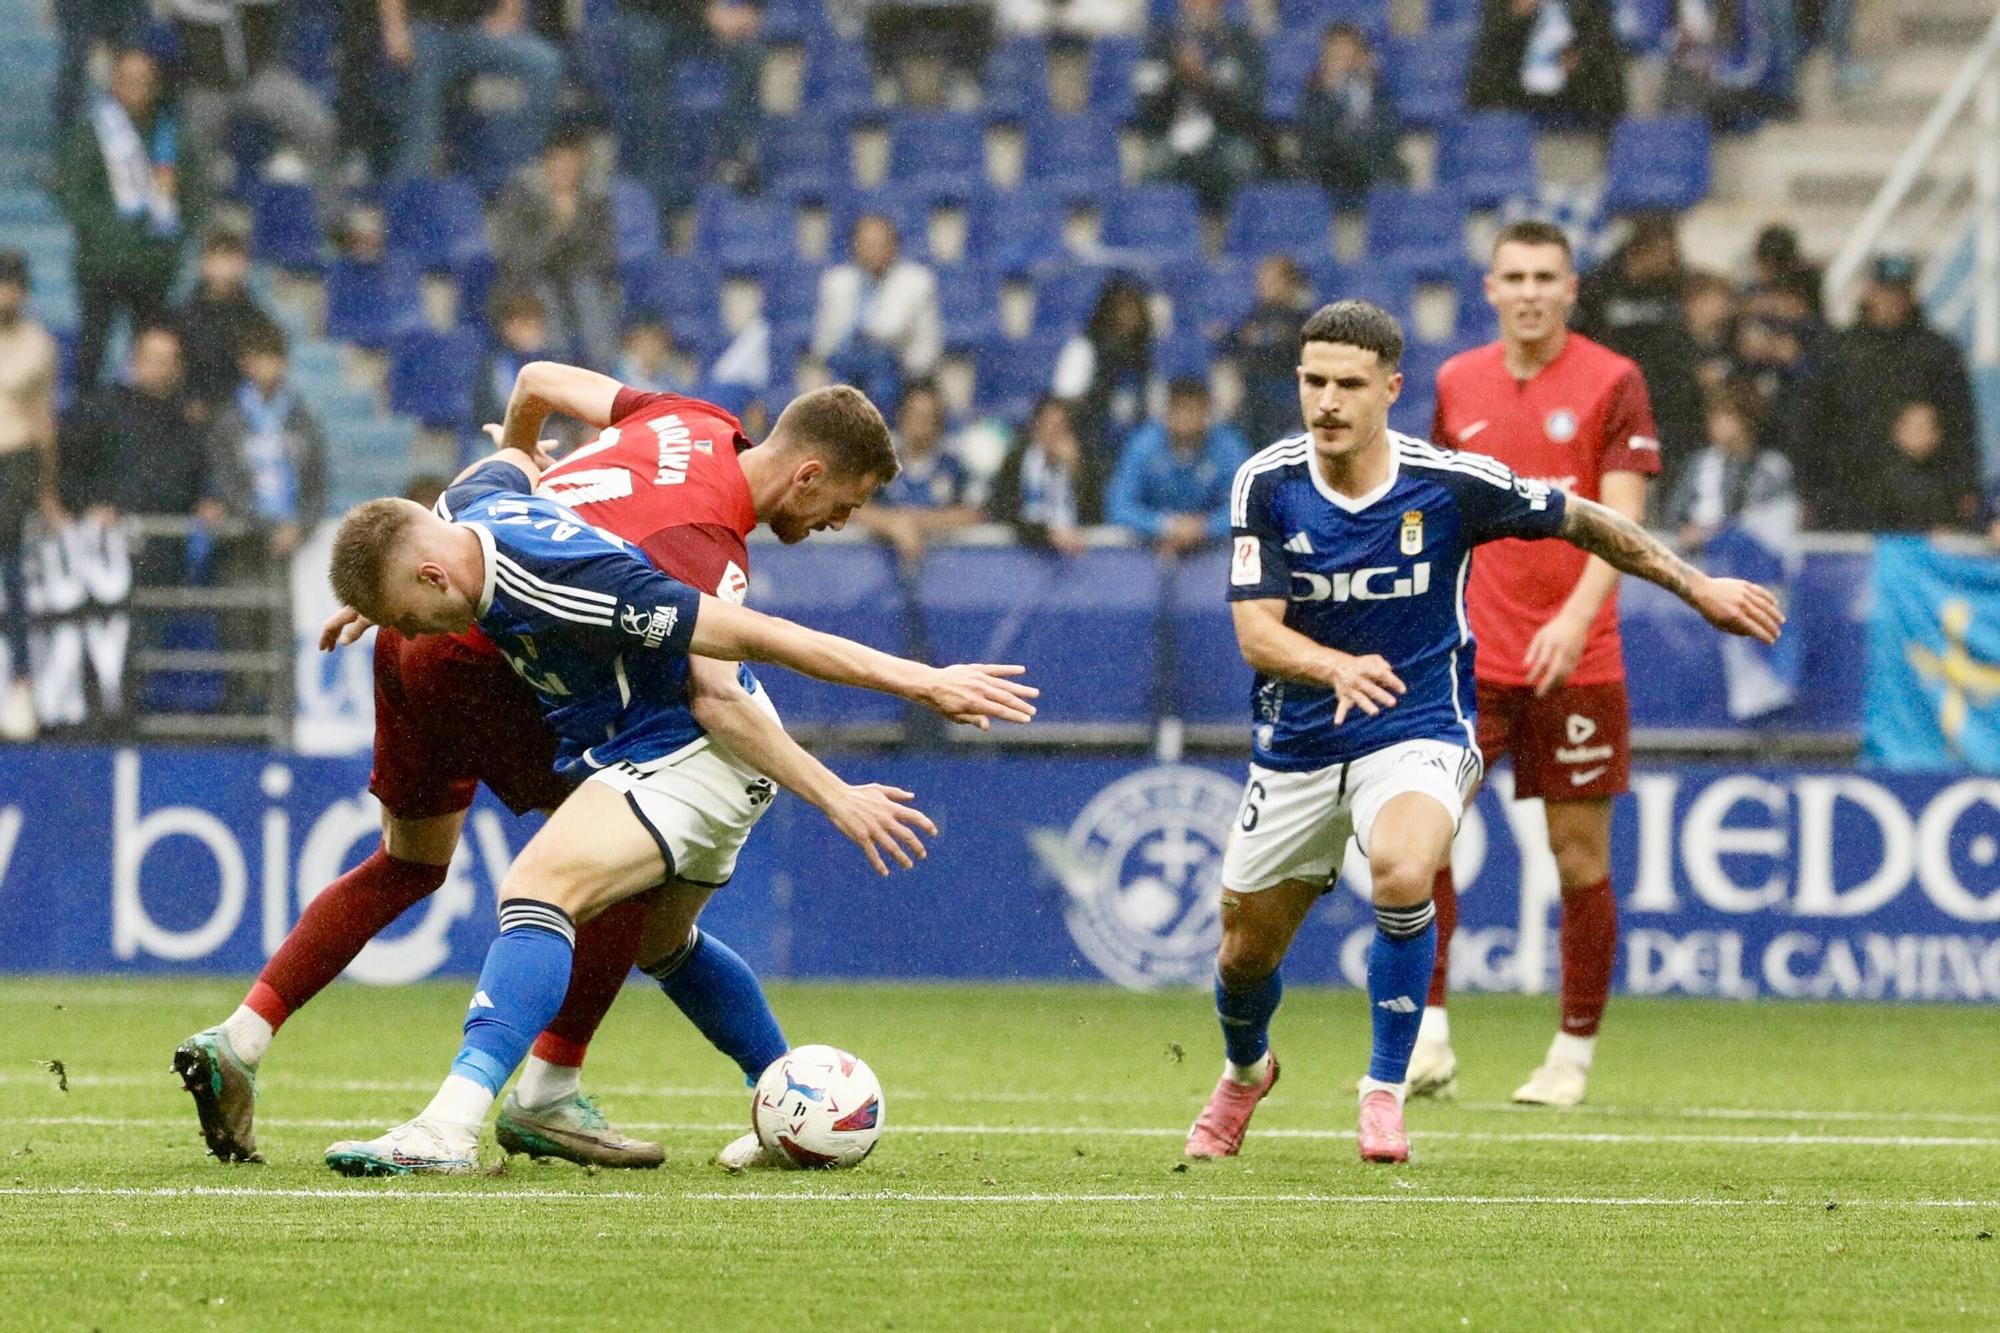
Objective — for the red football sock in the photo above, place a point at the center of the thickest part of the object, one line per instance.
(605, 952)
(1589, 935)
(1444, 894)
(335, 927)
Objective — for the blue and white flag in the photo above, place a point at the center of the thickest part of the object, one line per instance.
(1933, 694)
(1762, 545)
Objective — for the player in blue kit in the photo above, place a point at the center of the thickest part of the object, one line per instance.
(1347, 582)
(602, 638)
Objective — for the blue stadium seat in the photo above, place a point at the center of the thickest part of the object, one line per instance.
(1212, 296)
(1183, 355)
(1289, 62)
(1660, 164)
(1075, 154)
(1009, 375)
(431, 375)
(1160, 222)
(474, 279)
(1016, 82)
(1420, 367)
(1111, 62)
(1476, 321)
(839, 79)
(791, 294)
(1424, 229)
(1389, 284)
(369, 304)
(1014, 232)
(284, 226)
(1065, 298)
(635, 219)
(908, 204)
(741, 233)
(1307, 19)
(938, 145)
(1160, 13)
(969, 300)
(796, 22)
(701, 84)
(686, 291)
(1290, 216)
(434, 223)
(1643, 24)
(1489, 157)
(1426, 75)
(1416, 411)
(805, 156)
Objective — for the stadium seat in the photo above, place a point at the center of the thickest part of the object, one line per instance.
(1065, 298)
(635, 219)
(1013, 232)
(838, 80)
(684, 290)
(1420, 367)
(1111, 63)
(1426, 75)
(1446, 14)
(969, 300)
(908, 204)
(1009, 375)
(1212, 296)
(795, 22)
(1077, 155)
(1288, 63)
(1387, 283)
(434, 223)
(1183, 355)
(1162, 223)
(946, 146)
(474, 279)
(1164, 13)
(1307, 19)
(370, 304)
(791, 294)
(1489, 157)
(1476, 321)
(1643, 24)
(431, 376)
(701, 84)
(1016, 82)
(1661, 164)
(1290, 216)
(284, 226)
(1424, 229)
(741, 233)
(1415, 412)
(805, 156)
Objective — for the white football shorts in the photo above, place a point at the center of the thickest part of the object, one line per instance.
(700, 803)
(1296, 825)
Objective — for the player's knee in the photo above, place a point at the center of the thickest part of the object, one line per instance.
(1581, 864)
(1400, 880)
(1247, 957)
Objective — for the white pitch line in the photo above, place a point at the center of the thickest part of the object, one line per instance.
(394, 1192)
(1143, 1132)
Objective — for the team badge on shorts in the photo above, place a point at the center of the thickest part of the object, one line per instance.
(1141, 871)
(1561, 425)
(1413, 532)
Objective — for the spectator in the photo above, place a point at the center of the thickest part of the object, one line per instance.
(1040, 484)
(1106, 372)
(649, 361)
(1709, 306)
(1888, 358)
(117, 181)
(1729, 59)
(1557, 58)
(1348, 128)
(27, 474)
(654, 36)
(878, 318)
(1632, 304)
(1172, 484)
(933, 50)
(1200, 90)
(522, 323)
(232, 63)
(213, 320)
(435, 42)
(85, 26)
(1772, 359)
(1917, 484)
(1266, 348)
(1731, 475)
(929, 495)
(553, 234)
(1776, 260)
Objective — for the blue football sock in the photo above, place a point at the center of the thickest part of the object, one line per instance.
(721, 996)
(1399, 976)
(1246, 1018)
(520, 989)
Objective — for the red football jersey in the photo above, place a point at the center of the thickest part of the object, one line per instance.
(1584, 414)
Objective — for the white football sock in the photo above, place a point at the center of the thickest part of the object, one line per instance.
(460, 1103)
(543, 1084)
(249, 1035)
(1250, 1075)
(1435, 1025)
(1369, 1085)
(1572, 1050)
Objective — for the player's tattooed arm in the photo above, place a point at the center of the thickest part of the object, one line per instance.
(1733, 605)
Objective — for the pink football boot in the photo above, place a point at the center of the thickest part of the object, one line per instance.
(1218, 1130)
(1381, 1133)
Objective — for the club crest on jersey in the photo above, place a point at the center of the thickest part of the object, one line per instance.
(649, 627)
(1561, 425)
(1413, 532)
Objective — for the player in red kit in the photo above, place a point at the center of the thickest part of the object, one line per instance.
(677, 478)
(1552, 405)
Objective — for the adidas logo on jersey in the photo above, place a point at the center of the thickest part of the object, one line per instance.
(479, 1001)
(1362, 585)
(1300, 544)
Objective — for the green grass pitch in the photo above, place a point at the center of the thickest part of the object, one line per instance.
(1739, 1166)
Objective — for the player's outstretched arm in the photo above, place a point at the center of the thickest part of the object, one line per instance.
(1274, 648)
(1733, 605)
(973, 693)
(543, 387)
(878, 819)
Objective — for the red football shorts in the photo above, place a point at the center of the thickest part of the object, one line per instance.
(1573, 744)
(449, 717)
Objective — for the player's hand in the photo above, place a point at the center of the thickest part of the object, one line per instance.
(1366, 683)
(881, 822)
(342, 628)
(1738, 607)
(978, 692)
(1554, 652)
(544, 454)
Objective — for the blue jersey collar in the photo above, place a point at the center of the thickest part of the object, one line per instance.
(491, 561)
(1350, 504)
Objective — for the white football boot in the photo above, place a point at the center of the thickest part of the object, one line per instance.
(1433, 1070)
(1558, 1083)
(749, 1154)
(419, 1147)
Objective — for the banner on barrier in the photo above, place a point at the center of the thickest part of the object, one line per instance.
(1933, 696)
(1804, 883)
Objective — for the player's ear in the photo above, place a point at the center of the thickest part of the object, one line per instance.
(1395, 385)
(809, 473)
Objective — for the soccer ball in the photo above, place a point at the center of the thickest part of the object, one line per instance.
(819, 1106)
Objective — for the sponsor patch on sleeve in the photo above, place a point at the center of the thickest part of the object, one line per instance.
(1246, 569)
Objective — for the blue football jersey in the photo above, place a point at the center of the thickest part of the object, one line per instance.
(597, 632)
(1382, 574)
